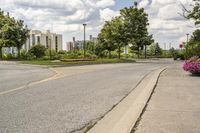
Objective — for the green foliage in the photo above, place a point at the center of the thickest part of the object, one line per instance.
(180, 56)
(135, 25)
(9, 56)
(129, 27)
(106, 39)
(193, 49)
(21, 34)
(52, 54)
(61, 52)
(155, 50)
(38, 50)
(195, 12)
(193, 46)
(13, 33)
(195, 36)
(172, 53)
(27, 55)
(91, 46)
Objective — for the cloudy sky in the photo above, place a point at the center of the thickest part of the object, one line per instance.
(67, 16)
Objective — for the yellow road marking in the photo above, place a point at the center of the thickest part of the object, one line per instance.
(55, 76)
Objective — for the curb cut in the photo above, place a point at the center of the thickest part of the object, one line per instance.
(125, 115)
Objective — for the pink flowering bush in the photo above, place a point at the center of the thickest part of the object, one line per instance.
(192, 65)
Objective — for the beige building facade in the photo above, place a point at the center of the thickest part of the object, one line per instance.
(49, 40)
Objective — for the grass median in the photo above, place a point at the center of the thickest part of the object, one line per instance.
(63, 63)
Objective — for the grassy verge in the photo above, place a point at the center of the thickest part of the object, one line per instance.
(61, 63)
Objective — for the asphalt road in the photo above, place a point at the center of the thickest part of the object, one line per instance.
(77, 97)
(13, 76)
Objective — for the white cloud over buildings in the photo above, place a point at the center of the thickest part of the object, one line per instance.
(67, 16)
(166, 23)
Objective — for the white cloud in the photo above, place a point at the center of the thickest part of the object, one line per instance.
(105, 3)
(67, 16)
(143, 3)
(63, 16)
(107, 14)
(170, 11)
(166, 24)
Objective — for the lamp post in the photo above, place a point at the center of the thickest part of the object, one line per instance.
(187, 37)
(187, 42)
(84, 25)
(50, 48)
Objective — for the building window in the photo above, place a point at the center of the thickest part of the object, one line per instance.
(47, 41)
(56, 43)
(33, 40)
(38, 39)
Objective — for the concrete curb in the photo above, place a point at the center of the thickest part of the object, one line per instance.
(124, 116)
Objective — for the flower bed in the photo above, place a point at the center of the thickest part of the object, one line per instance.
(192, 65)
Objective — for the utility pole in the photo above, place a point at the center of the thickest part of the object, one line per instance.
(84, 25)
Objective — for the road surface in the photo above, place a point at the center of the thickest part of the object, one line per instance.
(73, 99)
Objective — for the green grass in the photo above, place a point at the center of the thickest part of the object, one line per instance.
(61, 63)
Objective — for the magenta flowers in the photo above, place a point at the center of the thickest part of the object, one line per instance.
(192, 65)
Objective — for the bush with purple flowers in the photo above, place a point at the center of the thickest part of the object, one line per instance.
(192, 65)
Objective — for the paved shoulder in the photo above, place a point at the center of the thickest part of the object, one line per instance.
(175, 105)
(14, 75)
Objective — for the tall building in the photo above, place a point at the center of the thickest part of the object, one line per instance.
(78, 45)
(49, 40)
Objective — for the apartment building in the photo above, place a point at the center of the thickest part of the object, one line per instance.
(49, 40)
(77, 44)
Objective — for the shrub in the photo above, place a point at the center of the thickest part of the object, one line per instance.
(62, 52)
(192, 65)
(179, 55)
(24, 54)
(38, 50)
(52, 54)
(9, 56)
(192, 49)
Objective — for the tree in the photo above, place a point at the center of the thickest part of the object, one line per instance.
(90, 46)
(2, 22)
(13, 33)
(155, 50)
(38, 50)
(194, 13)
(173, 52)
(195, 36)
(21, 33)
(129, 27)
(6, 31)
(106, 38)
(147, 41)
(117, 33)
(135, 26)
(193, 46)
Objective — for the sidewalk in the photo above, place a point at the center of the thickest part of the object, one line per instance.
(175, 104)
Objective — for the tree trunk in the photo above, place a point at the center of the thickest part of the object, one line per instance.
(119, 52)
(1, 54)
(138, 52)
(145, 48)
(18, 52)
(109, 54)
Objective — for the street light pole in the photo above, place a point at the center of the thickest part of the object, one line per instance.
(187, 37)
(187, 41)
(50, 48)
(84, 25)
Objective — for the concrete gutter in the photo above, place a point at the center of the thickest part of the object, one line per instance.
(124, 116)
